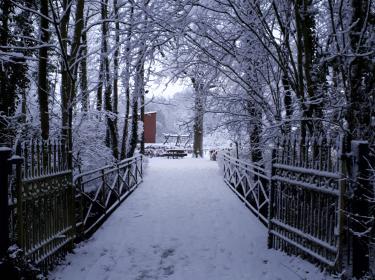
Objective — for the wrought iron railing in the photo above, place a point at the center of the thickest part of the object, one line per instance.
(42, 202)
(100, 191)
(307, 199)
(301, 198)
(250, 182)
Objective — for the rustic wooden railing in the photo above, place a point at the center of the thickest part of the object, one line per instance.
(100, 191)
(250, 182)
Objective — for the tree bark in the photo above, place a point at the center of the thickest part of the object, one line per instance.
(361, 74)
(85, 98)
(43, 91)
(198, 118)
(64, 25)
(126, 83)
(138, 88)
(312, 110)
(255, 131)
(7, 96)
(111, 138)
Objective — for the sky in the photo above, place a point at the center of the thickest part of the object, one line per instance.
(163, 88)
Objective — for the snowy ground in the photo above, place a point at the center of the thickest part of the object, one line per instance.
(183, 222)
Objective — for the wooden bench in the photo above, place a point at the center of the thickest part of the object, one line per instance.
(174, 153)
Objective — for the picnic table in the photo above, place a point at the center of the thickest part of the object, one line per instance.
(175, 153)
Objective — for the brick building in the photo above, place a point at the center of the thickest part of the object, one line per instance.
(150, 127)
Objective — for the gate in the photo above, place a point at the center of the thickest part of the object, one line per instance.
(42, 202)
(307, 199)
(318, 201)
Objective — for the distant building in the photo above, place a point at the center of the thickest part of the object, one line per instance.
(150, 127)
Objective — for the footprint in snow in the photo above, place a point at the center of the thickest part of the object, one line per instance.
(167, 253)
(169, 270)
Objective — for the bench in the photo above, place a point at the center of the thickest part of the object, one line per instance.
(172, 153)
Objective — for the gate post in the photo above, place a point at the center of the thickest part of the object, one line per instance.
(5, 154)
(360, 221)
(270, 202)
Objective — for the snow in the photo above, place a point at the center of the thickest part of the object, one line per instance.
(183, 222)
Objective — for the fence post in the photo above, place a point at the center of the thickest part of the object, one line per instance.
(360, 210)
(270, 202)
(5, 154)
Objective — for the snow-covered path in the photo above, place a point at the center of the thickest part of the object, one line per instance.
(183, 222)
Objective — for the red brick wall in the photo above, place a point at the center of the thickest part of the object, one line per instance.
(150, 127)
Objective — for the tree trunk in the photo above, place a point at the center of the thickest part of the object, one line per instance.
(134, 127)
(7, 97)
(64, 24)
(99, 92)
(111, 139)
(115, 60)
(361, 74)
(43, 91)
(138, 88)
(255, 131)
(198, 118)
(85, 98)
(143, 121)
(115, 79)
(126, 124)
(312, 111)
(126, 84)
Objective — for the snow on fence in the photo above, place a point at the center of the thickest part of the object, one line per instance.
(43, 209)
(314, 200)
(41, 202)
(307, 199)
(100, 191)
(249, 182)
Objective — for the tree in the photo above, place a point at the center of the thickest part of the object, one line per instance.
(16, 47)
(111, 136)
(43, 90)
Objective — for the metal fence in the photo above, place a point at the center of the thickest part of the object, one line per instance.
(317, 201)
(44, 210)
(42, 202)
(307, 199)
(100, 191)
(249, 182)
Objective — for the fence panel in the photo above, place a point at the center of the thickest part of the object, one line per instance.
(307, 199)
(100, 191)
(42, 202)
(249, 182)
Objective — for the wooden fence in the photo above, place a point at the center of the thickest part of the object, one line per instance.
(316, 200)
(44, 210)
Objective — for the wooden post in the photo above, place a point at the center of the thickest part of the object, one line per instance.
(5, 154)
(362, 192)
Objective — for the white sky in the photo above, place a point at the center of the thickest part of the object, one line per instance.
(161, 88)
